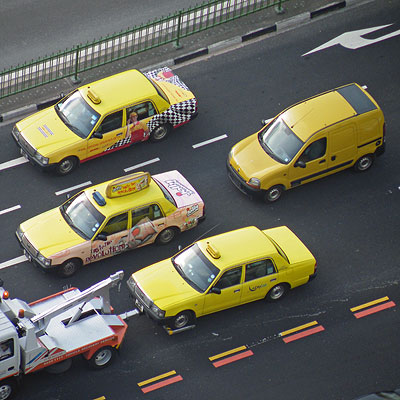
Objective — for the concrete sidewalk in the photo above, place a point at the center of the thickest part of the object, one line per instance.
(264, 22)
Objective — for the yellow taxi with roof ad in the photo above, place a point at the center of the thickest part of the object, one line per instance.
(110, 218)
(220, 272)
(105, 116)
(314, 138)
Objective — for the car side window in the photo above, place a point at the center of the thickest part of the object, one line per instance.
(151, 212)
(116, 224)
(143, 110)
(259, 269)
(111, 122)
(230, 278)
(315, 150)
(6, 349)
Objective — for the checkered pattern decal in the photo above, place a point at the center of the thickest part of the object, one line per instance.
(176, 115)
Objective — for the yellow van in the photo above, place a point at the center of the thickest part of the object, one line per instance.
(324, 134)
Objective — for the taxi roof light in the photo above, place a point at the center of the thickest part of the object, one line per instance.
(213, 251)
(99, 199)
(128, 184)
(93, 97)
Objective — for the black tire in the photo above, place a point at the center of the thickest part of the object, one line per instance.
(102, 358)
(59, 368)
(8, 387)
(167, 236)
(364, 163)
(160, 132)
(181, 320)
(277, 292)
(69, 268)
(273, 194)
(66, 165)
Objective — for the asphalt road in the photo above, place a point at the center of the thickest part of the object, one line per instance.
(349, 221)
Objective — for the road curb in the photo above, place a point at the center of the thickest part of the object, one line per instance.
(278, 26)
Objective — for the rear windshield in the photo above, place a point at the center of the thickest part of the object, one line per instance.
(357, 99)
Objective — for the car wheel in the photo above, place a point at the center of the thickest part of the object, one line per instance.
(166, 236)
(364, 163)
(59, 368)
(273, 194)
(160, 133)
(69, 268)
(277, 292)
(65, 166)
(7, 389)
(102, 358)
(182, 320)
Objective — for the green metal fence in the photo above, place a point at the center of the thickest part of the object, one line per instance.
(162, 31)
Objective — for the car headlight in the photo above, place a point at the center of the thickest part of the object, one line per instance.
(131, 283)
(41, 159)
(254, 183)
(45, 261)
(19, 233)
(15, 131)
(157, 311)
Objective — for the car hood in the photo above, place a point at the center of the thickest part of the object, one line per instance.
(46, 132)
(163, 284)
(250, 160)
(49, 233)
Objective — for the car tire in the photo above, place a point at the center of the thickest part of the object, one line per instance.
(364, 163)
(167, 236)
(182, 320)
(102, 358)
(69, 268)
(273, 194)
(277, 292)
(8, 388)
(160, 132)
(66, 165)
(59, 368)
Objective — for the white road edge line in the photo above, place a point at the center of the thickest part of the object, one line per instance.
(195, 146)
(73, 188)
(7, 210)
(142, 164)
(13, 261)
(13, 163)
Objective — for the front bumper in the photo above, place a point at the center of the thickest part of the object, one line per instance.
(240, 183)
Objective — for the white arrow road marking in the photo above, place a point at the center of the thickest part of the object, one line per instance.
(354, 40)
(13, 163)
(14, 261)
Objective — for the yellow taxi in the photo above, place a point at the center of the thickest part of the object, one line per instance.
(110, 218)
(314, 138)
(105, 116)
(220, 272)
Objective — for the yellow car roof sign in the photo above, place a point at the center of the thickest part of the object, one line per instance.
(128, 184)
(212, 250)
(93, 97)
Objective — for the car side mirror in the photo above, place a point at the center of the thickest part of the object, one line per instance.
(101, 236)
(97, 135)
(300, 164)
(215, 290)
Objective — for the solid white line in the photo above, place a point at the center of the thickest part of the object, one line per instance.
(7, 210)
(195, 146)
(13, 261)
(142, 164)
(73, 188)
(13, 163)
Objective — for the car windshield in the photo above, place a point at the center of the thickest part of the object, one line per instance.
(77, 114)
(195, 268)
(82, 216)
(166, 194)
(279, 141)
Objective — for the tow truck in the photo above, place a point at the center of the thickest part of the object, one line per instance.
(49, 332)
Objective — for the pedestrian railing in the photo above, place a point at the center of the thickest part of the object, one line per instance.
(170, 29)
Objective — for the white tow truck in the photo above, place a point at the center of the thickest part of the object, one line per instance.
(49, 332)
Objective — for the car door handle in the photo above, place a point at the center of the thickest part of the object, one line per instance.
(237, 290)
(119, 134)
(274, 279)
(333, 158)
(322, 161)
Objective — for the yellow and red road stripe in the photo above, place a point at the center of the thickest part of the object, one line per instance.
(372, 307)
(301, 331)
(227, 357)
(163, 380)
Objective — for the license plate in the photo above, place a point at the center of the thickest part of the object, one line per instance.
(139, 306)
